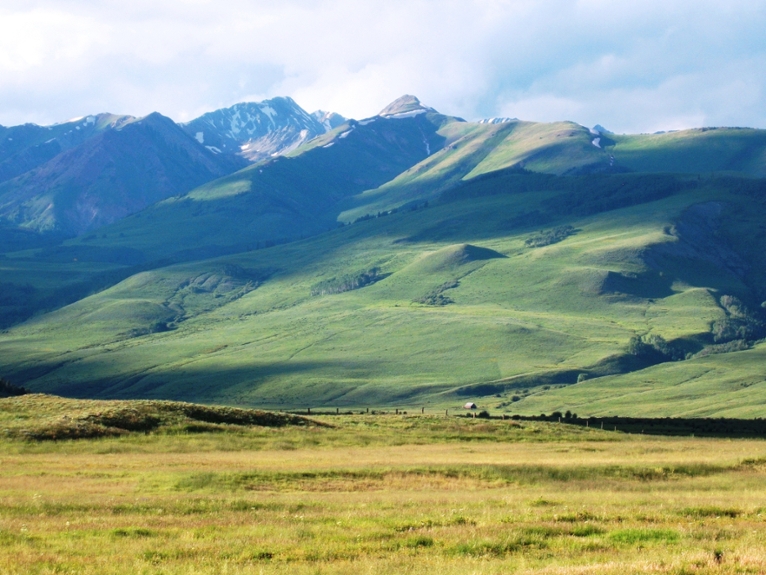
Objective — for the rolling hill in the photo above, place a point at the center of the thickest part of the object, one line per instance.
(528, 267)
(467, 300)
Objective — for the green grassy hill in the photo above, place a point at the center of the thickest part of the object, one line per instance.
(528, 267)
(45, 417)
(731, 384)
(562, 148)
(508, 287)
(699, 151)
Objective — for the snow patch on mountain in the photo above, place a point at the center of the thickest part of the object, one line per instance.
(269, 111)
(402, 115)
(258, 130)
(498, 120)
(329, 120)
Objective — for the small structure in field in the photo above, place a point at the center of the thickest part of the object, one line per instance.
(470, 405)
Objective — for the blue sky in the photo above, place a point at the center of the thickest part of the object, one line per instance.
(632, 66)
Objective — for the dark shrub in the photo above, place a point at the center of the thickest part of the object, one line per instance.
(7, 389)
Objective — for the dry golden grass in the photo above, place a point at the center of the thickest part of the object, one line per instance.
(570, 504)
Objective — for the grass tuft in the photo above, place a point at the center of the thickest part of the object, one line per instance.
(637, 536)
(711, 511)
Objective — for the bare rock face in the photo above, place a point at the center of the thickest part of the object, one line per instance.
(260, 130)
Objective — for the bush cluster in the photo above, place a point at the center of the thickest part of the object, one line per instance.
(367, 217)
(437, 297)
(549, 237)
(728, 347)
(740, 322)
(347, 282)
(7, 389)
(654, 348)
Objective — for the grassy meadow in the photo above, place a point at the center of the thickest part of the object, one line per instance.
(462, 300)
(373, 493)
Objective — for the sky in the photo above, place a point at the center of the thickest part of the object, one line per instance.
(630, 65)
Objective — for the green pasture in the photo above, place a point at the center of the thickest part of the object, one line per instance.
(245, 329)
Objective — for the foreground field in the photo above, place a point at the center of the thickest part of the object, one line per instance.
(384, 494)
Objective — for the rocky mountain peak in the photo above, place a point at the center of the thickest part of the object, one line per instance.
(404, 105)
(259, 130)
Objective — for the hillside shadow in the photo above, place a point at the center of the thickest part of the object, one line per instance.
(255, 384)
(650, 285)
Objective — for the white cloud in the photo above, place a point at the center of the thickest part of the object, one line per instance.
(41, 38)
(632, 66)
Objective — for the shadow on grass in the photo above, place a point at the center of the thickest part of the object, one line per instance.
(378, 478)
(250, 384)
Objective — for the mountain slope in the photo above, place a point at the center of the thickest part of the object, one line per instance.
(281, 198)
(414, 152)
(23, 148)
(698, 151)
(563, 148)
(329, 120)
(529, 267)
(260, 130)
(110, 175)
(472, 149)
(361, 173)
(464, 298)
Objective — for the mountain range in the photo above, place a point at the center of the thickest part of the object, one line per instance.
(74, 177)
(262, 255)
